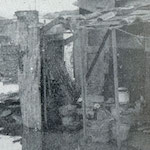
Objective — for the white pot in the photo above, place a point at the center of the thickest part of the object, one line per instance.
(123, 95)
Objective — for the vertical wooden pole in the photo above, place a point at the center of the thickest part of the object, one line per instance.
(29, 68)
(44, 72)
(32, 140)
(115, 67)
(83, 57)
(147, 67)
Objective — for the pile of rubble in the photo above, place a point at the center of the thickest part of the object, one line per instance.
(71, 119)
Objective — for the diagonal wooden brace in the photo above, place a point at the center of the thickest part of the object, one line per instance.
(97, 54)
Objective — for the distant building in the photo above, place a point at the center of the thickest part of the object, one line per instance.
(8, 51)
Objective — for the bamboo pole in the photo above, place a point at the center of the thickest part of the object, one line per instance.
(115, 65)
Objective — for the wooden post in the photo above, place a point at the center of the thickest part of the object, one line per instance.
(29, 68)
(83, 52)
(32, 140)
(115, 67)
(147, 67)
(44, 73)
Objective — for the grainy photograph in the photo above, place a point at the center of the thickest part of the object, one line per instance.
(74, 74)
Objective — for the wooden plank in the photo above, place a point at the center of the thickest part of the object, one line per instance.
(97, 55)
(107, 16)
(115, 67)
(29, 73)
(76, 59)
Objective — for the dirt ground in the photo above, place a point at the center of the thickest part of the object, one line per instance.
(14, 137)
(140, 140)
(31, 140)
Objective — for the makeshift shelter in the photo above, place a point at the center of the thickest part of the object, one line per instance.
(97, 68)
(121, 33)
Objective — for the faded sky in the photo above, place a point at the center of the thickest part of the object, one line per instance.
(8, 7)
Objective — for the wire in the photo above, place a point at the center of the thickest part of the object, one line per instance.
(134, 35)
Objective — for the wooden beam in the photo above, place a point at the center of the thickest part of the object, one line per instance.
(54, 22)
(115, 68)
(97, 54)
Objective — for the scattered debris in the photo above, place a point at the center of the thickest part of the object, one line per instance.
(18, 119)
(5, 113)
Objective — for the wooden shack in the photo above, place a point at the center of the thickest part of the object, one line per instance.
(108, 53)
(131, 56)
(117, 44)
